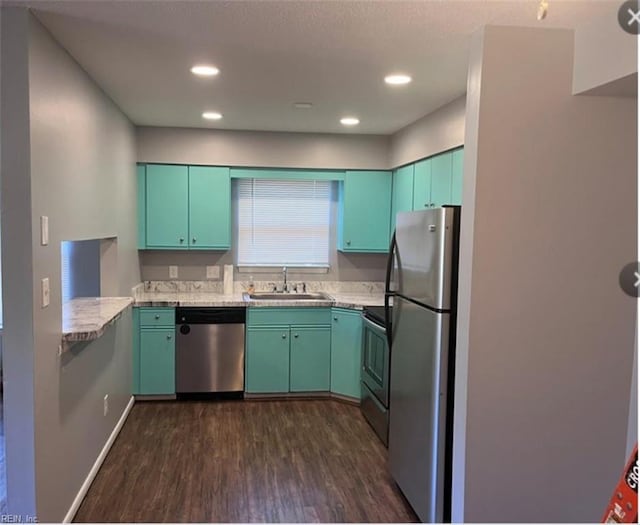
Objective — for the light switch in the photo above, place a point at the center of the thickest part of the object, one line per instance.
(213, 272)
(44, 230)
(45, 292)
(173, 272)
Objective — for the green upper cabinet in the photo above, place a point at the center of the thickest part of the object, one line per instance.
(441, 180)
(167, 219)
(209, 208)
(364, 211)
(438, 180)
(402, 195)
(310, 359)
(346, 350)
(422, 185)
(186, 207)
(141, 176)
(456, 176)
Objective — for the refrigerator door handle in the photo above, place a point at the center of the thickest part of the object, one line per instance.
(388, 292)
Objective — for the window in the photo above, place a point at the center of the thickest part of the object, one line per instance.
(283, 222)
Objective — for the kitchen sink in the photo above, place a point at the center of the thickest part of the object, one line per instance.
(275, 296)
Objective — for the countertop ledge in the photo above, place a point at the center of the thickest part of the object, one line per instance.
(87, 318)
(351, 301)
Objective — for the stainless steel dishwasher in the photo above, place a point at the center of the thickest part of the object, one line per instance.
(209, 350)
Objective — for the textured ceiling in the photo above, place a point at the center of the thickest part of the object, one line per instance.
(274, 53)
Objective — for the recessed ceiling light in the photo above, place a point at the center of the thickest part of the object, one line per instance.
(349, 121)
(212, 115)
(303, 105)
(205, 71)
(397, 80)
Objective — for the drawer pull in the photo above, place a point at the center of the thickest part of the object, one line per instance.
(157, 316)
(296, 336)
(169, 337)
(284, 336)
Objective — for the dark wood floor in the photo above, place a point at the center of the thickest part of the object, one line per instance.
(245, 461)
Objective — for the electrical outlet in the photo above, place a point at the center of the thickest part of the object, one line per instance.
(106, 405)
(213, 272)
(173, 272)
(46, 293)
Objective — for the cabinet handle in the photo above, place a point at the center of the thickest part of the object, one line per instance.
(157, 316)
(433, 205)
(169, 337)
(348, 243)
(194, 240)
(181, 240)
(426, 205)
(284, 336)
(295, 335)
(335, 318)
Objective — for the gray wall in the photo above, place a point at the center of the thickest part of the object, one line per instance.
(438, 131)
(260, 148)
(82, 176)
(546, 336)
(606, 58)
(17, 262)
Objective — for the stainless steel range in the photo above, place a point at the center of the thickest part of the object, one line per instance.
(375, 371)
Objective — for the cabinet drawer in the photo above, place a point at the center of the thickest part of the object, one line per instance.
(157, 317)
(288, 316)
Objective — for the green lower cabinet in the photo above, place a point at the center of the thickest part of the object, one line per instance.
(346, 351)
(157, 361)
(267, 360)
(310, 359)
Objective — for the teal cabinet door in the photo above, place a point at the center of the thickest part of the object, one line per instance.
(422, 185)
(346, 352)
(402, 193)
(141, 178)
(456, 176)
(441, 180)
(167, 205)
(310, 359)
(267, 360)
(209, 208)
(365, 213)
(157, 362)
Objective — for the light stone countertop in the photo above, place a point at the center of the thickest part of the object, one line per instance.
(87, 318)
(338, 299)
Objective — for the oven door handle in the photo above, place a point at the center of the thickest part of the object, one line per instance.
(375, 327)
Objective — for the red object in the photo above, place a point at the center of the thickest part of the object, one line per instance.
(623, 506)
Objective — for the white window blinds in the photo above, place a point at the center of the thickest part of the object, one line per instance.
(283, 222)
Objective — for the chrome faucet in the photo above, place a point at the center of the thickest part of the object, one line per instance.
(284, 273)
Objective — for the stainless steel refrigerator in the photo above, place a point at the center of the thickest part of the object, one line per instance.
(422, 280)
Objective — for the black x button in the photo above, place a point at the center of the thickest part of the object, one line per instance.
(629, 16)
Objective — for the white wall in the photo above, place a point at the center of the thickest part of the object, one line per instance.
(266, 149)
(438, 131)
(78, 168)
(606, 57)
(546, 336)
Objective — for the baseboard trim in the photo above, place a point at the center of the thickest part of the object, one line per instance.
(96, 466)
